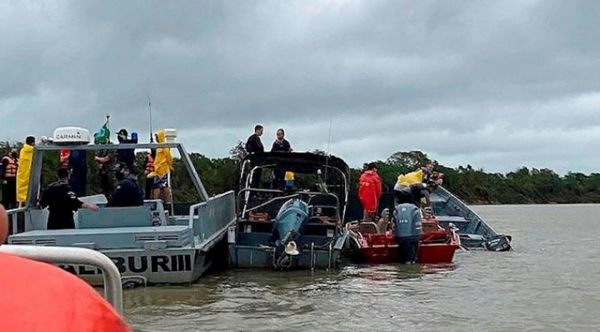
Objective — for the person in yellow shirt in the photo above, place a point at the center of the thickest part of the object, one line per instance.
(163, 164)
(411, 187)
(422, 175)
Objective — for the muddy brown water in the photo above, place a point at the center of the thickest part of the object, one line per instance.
(550, 282)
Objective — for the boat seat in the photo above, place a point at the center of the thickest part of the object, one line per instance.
(368, 227)
(133, 216)
(319, 229)
(246, 226)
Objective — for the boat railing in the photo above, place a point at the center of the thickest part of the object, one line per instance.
(247, 192)
(208, 218)
(13, 219)
(79, 256)
(312, 194)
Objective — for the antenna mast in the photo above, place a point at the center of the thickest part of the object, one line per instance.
(327, 155)
(150, 114)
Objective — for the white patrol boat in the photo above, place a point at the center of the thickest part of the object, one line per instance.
(148, 243)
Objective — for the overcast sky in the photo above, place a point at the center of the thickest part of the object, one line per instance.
(494, 84)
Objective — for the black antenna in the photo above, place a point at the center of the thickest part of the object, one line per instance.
(327, 155)
(150, 113)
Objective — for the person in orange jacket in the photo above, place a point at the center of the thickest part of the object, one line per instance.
(38, 296)
(369, 191)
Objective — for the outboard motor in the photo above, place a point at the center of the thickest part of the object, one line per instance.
(288, 226)
(498, 243)
(407, 228)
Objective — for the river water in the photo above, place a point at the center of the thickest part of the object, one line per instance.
(549, 282)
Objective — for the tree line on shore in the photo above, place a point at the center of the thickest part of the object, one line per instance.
(475, 186)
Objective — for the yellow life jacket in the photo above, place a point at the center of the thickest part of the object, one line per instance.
(289, 176)
(411, 178)
(164, 160)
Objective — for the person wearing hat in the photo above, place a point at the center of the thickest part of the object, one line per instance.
(128, 191)
(62, 202)
(126, 156)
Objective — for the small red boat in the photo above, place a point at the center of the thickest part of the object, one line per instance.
(437, 245)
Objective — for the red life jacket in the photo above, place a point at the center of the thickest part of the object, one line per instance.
(64, 158)
(11, 168)
(149, 164)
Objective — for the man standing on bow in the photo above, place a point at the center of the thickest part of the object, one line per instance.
(281, 144)
(254, 145)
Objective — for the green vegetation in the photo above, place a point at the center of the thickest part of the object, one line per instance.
(522, 186)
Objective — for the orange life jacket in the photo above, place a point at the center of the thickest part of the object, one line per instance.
(71, 304)
(11, 168)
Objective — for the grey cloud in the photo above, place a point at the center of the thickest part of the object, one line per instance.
(494, 84)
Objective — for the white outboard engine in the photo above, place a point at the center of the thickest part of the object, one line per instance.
(407, 228)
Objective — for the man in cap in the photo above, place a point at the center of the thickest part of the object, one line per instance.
(128, 192)
(127, 156)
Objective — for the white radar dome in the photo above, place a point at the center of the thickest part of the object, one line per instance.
(71, 135)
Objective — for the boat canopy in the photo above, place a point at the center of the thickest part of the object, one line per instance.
(299, 162)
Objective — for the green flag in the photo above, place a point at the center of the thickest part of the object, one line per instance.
(103, 135)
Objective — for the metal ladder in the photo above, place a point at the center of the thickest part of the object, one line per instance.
(80, 256)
